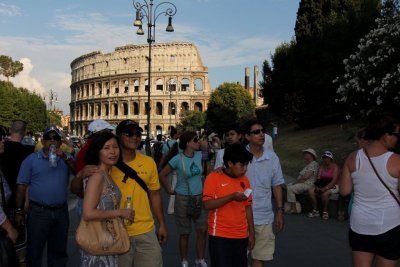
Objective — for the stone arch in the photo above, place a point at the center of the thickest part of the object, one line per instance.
(98, 110)
(171, 108)
(198, 84)
(184, 107)
(158, 129)
(106, 109)
(160, 84)
(115, 109)
(135, 108)
(185, 84)
(136, 85)
(124, 107)
(159, 108)
(146, 85)
(198, 107)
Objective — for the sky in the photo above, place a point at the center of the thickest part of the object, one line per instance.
(46, 35)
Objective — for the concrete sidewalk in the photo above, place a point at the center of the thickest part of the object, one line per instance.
(305, 241)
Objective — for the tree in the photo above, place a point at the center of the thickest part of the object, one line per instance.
(9, 68)
(372, 74)
(19, 103)
(192, 120)
(229, 103)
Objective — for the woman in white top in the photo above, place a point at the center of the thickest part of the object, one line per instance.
(374, 233)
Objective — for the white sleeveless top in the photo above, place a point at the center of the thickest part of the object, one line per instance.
(374, 210)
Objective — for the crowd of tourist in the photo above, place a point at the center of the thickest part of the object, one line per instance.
(229, 186)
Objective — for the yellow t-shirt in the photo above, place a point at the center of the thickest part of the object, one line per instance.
(147, 170)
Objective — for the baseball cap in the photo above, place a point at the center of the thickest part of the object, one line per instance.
(52, 129)
(327, 154)
(99, 125)
(126, 125)
(311, 151)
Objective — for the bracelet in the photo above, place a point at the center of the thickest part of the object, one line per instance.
(19, 211)
(280, 209)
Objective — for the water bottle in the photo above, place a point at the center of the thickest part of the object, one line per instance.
(52, 156)
(128, 205)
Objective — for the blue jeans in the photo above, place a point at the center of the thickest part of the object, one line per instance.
(47, 225)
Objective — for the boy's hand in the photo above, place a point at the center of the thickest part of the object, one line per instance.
(251, 242)
(239, 196)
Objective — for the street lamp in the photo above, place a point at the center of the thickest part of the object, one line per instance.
(146, 10)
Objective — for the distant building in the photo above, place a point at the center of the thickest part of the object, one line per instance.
(114, 86)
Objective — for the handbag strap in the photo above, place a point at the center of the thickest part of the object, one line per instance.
(110, 191)
(131, 173)
(380, 178)
(184, 175)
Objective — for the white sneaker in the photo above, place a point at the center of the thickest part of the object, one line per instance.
(185, 263)
(200, 263)
(314, 213)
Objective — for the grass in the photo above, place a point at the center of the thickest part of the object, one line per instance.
(337, 138)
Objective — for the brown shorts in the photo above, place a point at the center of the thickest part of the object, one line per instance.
(183, 222)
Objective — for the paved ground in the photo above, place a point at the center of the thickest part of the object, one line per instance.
(305, 241)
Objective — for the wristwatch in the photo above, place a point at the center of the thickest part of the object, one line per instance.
(280, 209)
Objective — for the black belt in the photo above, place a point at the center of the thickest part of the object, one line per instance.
(48, 207)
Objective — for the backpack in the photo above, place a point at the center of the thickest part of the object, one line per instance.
(158, 149)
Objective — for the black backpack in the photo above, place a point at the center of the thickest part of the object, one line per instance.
(158, 149)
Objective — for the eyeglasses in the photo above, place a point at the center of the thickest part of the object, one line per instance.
(52, 138)
(396, 134)
(132, 133)
(258, 131)
(196, 139)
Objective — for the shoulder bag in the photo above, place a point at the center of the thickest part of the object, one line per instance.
(193, 209)
(103, 237)
(380, 178)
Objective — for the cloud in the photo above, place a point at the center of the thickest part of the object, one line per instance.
(24, 78)
(9, 10)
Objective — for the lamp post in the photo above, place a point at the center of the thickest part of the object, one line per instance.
(151, 13)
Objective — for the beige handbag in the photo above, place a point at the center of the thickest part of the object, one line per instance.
(103, 237)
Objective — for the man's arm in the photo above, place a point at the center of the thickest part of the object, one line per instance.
(156, 202)
(20, 203)
(77, 182)
(279, 220)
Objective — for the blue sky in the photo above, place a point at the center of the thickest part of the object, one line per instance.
(46, 35)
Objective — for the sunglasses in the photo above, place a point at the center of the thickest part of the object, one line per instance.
(258, 131)
(52, 138)
(133, 133)
(396, 134)
(196, 139)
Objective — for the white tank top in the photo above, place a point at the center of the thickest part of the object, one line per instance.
(374, 210)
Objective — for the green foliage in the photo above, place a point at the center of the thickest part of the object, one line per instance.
(229, 103)
(192, 120)
(326, 32)
(372, 74)
(9, 68)
(19, 103)
(53, 118)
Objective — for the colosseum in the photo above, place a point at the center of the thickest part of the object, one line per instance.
(114, 86)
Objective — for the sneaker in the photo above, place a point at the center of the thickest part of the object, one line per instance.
(200, 263)
(185, 263)
(314, 213)
(325, 216)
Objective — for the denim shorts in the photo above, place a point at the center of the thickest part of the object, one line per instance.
(183, 222)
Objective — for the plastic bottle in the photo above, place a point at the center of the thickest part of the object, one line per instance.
(128, 205)
(52, 156)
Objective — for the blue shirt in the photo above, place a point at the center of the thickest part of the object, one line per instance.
(264, 173)
(167, 146)
(193, 170)
(47, 185)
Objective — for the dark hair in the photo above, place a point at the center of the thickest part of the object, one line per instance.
(185, 138)
(171, 153)
(235, 127)
(378, 125)
(97, 144)
(237, 153)
(249, 123)
(173, 131)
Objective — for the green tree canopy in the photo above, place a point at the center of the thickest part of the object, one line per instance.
(21, 104)
(229, 103)
(192, 120)
(9, 68)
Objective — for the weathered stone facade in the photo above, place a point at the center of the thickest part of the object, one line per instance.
(113, 86)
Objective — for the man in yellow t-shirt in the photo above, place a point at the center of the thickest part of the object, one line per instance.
(145, 243)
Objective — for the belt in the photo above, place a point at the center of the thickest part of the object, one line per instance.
(48, 207)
